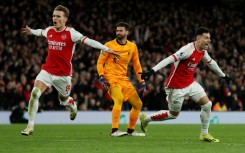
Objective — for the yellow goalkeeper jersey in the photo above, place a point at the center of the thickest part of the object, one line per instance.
(117, 68)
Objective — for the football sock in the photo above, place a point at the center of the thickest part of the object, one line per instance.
(160, 116)
(114, 130)
(115, 117)
(133, 117)
(205, 117)
(33, 105)
(69, 102)
(130, 130)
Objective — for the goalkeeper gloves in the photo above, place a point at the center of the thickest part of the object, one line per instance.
(104, 83)
(146, 75)
(227, 79)
(141, 88)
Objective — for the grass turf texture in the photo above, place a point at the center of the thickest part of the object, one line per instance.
(95, 139)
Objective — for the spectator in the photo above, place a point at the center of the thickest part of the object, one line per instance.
(18, 113)
(154, 34)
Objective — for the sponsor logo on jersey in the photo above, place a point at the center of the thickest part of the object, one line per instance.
(191, 66)
(56, 45)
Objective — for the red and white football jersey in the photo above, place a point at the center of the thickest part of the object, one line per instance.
(184, 67)
(61, 46)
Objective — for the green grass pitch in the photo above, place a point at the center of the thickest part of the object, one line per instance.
(95, 138)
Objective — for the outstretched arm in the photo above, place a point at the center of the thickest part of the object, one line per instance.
(212, 65)
(28, 31)
(146, 75)
(216, 69)
(164, 63)
(184, 53)
(98, 45)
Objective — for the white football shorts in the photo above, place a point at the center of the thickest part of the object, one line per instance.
(176, 97)
(61, 83)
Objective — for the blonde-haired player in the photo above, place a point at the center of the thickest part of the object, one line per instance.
(57, 69)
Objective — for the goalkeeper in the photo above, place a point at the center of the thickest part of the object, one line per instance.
(113, 77)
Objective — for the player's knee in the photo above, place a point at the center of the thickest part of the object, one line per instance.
(117, 107)
(207, 106)
(139, 105)
(118, 100)
(36, 93)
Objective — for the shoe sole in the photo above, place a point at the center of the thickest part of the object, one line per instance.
(207, 140)
(135, 135)
(25, 134)
(119, 135)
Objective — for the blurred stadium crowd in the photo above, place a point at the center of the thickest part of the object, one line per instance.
(159, 28)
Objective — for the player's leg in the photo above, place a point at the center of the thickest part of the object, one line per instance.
(136, 104)
(198, 95)
(175, 98)
(206, 105)
(117, 97)
(38, 89)
(63, 85)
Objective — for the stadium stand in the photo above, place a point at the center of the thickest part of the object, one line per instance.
(158, 28)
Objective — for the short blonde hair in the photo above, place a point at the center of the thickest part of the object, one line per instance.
(63, 9)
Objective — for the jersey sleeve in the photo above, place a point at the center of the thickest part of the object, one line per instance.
(40, 32)
(206, 57)
(212, 65)
(76, 36)
(184, 52)
(101, 61)
(136, 63)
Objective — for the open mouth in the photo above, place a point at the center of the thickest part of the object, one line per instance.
(208, 46)
(55, 23)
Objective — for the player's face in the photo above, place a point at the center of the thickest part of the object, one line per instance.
(121, 33)
(204, 41)
(59, 20)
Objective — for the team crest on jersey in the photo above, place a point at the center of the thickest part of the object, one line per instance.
(63, 36)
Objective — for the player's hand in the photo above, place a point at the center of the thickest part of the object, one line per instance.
(26, 30)
(141, 88)
(105, 84)
(112, 52)
(227, 79)
(146, 75)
